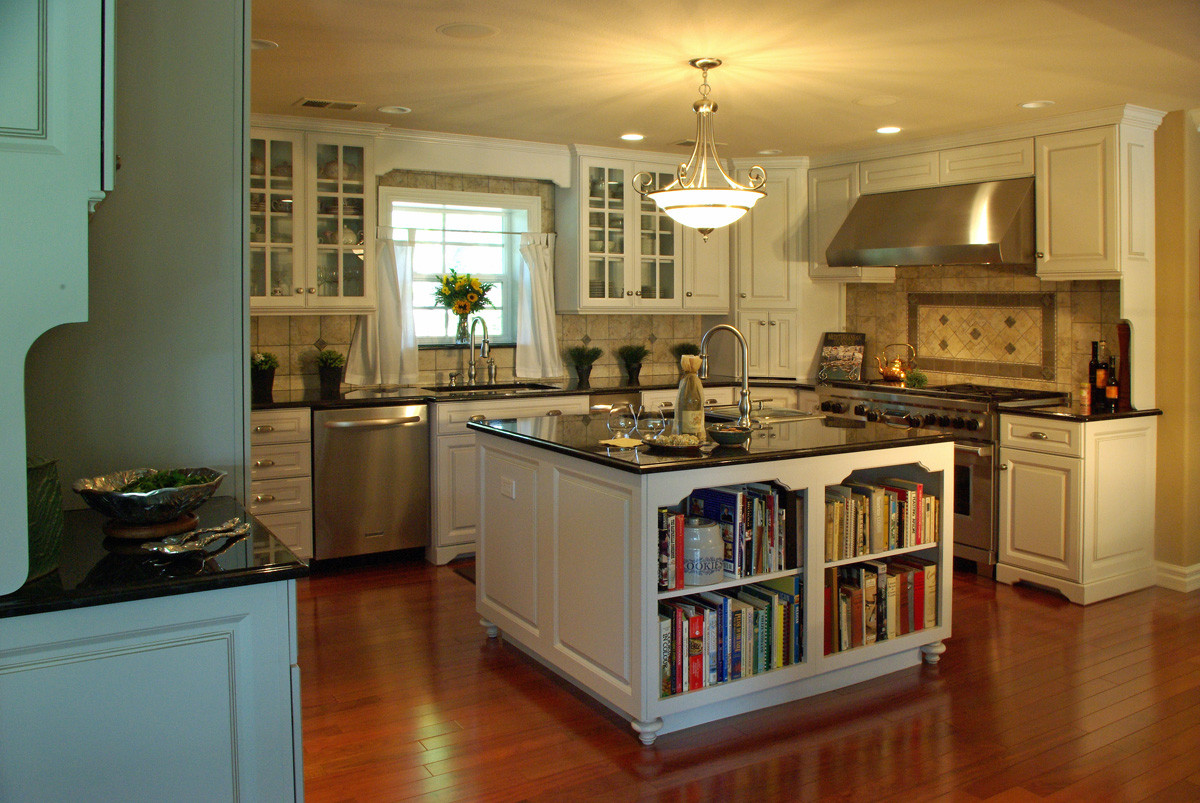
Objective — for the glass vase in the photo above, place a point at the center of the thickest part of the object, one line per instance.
(463, 333)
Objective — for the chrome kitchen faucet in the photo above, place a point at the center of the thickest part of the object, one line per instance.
(744, 402)
(485, 348)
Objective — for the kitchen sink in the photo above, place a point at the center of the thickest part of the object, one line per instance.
(499, 387)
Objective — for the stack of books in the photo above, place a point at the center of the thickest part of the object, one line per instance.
(876, 600)
(869, 518)
(715, 637)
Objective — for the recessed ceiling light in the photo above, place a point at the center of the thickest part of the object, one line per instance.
(770, 152)
(631, 137)
(878, 100)
(1037, 104)
(888, 129)
(394, 109)
(467, 30)
(263, 44)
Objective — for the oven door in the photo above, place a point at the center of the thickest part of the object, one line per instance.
(975, 504)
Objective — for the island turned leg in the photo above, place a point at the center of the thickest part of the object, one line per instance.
(933, 652)
(492, 630)
(647, 731)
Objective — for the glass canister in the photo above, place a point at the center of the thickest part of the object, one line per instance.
(703, 552)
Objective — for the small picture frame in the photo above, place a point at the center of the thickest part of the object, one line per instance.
(842, 357)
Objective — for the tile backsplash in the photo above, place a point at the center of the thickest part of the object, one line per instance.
(296, 339)
(987, 324)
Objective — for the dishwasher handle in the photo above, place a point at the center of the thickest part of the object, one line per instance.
(373, 423)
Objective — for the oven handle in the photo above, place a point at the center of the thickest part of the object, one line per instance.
(979, 451)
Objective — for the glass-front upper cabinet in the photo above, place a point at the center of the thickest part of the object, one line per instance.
(312, 209)
(658, 273)
(276, 161)
(606, 232)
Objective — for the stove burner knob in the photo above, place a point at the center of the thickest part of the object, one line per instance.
(913, 421)
(943, 420)
(930, 419)
(872, 415)
(958, 423)
(833, 407)
(861, 409)
(972, 424)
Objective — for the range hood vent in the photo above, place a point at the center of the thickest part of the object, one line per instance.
(965, 224)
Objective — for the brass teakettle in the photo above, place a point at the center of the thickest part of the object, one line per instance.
(896, 369)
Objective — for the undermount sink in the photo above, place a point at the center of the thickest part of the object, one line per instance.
(499, 387)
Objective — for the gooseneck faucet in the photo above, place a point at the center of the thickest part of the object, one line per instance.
(484, 348)
(744, 402)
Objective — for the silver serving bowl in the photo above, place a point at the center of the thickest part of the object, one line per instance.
(146, 507)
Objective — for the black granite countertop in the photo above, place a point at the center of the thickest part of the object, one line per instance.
(580, 436)
(1074, 413)
(95, 569)
(368, 397)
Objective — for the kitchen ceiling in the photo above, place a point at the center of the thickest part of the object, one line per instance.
(804, 77)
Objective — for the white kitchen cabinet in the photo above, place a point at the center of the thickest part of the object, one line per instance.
(188, 696)
(312, 214)
(1077, 504)
(56, 157)
(771, 336)
(893, 173)
(665, 398)
(767, 246)
(1095, 203)
(990, 161)
(281, 475)
(775, 396)
(453, 470)
(706, 271)
(832, 192)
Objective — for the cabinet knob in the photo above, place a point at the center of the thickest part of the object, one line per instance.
(762, 323)
(638, 293)
(1040, 255)
(312, 290)
(299, 291)
(741, 295)
(1003, 466)
(628, 292)
(773, 323)
(688, 294)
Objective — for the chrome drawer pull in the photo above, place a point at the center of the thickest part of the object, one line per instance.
(1039, 436)
(478, 417)
(263, 463)
(263, 498)
(264, 428)
(666, 405)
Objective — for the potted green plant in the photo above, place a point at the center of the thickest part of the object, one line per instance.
(631, 357)
(582, 358)
(262, 376)
(329, 367)
(679, 349)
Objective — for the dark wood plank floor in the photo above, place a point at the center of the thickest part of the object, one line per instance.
(1035, 699)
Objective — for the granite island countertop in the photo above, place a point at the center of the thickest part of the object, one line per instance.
(97, 570)
(580, 436)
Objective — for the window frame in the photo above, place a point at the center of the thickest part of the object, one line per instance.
(531, 205)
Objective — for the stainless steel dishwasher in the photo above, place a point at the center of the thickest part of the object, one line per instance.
(370, 480)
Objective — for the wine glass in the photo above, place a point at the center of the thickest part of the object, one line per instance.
(621, 420)
(651, 421)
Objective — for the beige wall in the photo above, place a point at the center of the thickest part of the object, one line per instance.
(1177, 214)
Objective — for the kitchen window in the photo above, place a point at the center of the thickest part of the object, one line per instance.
(475, 233)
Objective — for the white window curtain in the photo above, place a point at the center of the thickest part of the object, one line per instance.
(383, 349)
(537, 354)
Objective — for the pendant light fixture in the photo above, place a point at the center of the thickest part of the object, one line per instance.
(703, 196)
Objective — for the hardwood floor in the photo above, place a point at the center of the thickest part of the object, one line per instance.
(404, 697)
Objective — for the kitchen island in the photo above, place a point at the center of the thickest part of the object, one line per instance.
(129, 677)
(568, 562)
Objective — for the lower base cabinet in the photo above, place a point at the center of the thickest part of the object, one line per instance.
(186, 697)
(568, 567)
(1077, 504)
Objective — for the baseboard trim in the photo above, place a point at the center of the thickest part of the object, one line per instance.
(1177, 578)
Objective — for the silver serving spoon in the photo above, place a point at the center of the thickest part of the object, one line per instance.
(185, 537)
(198, 545)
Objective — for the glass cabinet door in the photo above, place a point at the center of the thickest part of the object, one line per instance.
(606, 232)
(274, 208)
(340, 220)
(658, 274)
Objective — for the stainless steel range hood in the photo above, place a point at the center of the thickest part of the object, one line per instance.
(964, 224)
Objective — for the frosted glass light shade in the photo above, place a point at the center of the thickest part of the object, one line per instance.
(706, 208)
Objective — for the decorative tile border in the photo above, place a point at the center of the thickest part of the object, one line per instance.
(1009, 335)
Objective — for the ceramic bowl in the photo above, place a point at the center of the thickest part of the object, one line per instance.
(103, 495)
(729, 434)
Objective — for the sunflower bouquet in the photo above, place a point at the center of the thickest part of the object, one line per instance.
(462, 294)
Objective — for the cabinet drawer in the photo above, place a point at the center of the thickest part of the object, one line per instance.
(295, 530)
(277, 460)
(285, 425)
(452, 417)
(281, 496)
(1041, 435)
(653, 399)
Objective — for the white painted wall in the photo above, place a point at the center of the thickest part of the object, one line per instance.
(155, 376)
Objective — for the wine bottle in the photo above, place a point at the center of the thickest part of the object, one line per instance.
(1111, 390)
(689, 404)
(1093, 367)
(1100, 380)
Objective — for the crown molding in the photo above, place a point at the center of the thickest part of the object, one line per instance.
(1136, 116)
(470, 141)
(320, 126)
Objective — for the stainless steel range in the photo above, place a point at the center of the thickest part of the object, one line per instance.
(971, 413)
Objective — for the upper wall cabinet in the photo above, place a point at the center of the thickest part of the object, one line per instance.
(898, 173)
(1095, 202)
(832, 191)
(618, 253)
(767, 251)
(312, 216)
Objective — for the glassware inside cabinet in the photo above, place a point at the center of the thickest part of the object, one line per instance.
(282, 279)
(616, 278)
(353, 284)
(327, 272)
(258, 272)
